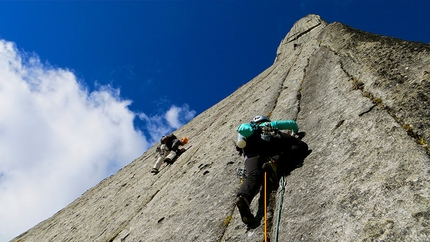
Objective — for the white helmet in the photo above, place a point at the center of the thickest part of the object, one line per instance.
(260, 118)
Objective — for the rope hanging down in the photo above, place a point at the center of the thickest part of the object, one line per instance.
(279, 208)
(265, 206)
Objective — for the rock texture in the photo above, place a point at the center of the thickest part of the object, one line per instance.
(363, 101)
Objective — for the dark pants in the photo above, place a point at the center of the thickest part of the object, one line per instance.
(290, 151)
(254, 173)
(255, 176)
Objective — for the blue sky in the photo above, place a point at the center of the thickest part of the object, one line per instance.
(108, 78)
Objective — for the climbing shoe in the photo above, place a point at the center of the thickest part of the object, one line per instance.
(154, 170)
(243, 206)
(305, 154)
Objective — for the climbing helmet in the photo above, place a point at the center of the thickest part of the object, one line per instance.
(184, 140)
(259, 119)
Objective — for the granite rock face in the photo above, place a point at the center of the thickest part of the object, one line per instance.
(363, 101)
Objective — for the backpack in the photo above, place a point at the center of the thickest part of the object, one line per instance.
(165, 139)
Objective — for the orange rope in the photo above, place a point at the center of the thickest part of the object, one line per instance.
(265, 208)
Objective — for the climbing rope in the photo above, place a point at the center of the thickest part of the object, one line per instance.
(279, 208)
(265, 207)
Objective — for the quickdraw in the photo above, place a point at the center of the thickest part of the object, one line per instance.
(241, 174)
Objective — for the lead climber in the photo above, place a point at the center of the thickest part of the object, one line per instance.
(266, 149)
(167, 150)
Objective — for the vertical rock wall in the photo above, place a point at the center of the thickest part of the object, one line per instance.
(362, 100)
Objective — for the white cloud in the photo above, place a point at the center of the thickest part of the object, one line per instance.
(177, 116)
(174, 118)
(155, 125)
(57, 139)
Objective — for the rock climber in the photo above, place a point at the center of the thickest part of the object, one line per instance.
(167, 150)
(265, 148)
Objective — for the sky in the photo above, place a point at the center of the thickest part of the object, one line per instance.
(86, 87)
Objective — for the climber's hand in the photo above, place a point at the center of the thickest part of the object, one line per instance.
(239, 150)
